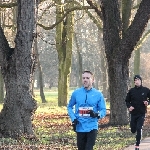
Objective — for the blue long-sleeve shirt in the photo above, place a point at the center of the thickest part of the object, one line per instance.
(81, 102)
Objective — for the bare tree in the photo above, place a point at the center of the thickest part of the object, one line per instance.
(118, 49)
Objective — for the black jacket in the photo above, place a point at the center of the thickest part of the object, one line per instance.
(135, 98)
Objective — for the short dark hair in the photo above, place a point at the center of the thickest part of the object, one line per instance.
(87, 71)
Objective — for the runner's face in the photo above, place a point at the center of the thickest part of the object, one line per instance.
(87, 80)
(137, 82)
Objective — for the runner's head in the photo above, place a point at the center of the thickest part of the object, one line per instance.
(87, 79)
(137, 80)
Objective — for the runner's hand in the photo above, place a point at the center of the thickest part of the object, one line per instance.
(93, 114)
(145, 103)
(74, 123)
(131, 108)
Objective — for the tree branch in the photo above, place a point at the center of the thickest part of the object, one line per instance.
(95, 6)
(142, 40)
(61, 19)
(95, 20)
(8, 5)
(137, 27)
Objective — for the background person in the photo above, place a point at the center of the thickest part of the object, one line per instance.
(137, 100)
(89, 107)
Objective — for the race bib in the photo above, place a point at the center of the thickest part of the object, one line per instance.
(84, 111)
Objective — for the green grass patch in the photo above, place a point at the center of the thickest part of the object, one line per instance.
(52, 127)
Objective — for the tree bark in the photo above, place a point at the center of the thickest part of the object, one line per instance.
(1, 88)
(1, 78)
(126, 14)
(15, 117)
(64, 37)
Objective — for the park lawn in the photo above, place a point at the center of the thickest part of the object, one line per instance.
(53, 130)
(55, 118)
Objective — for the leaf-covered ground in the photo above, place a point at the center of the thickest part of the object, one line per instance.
(54, 132)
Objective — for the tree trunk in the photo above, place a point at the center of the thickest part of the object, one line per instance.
(118, 76)
(41, 83)
(117, 67)
(15, 117)
(1, 88)
(1, 78)
(79, 63)
(40, 75)
(64, 37)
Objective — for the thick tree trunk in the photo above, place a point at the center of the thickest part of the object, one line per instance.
(117, 66)
(15, 117)
(118, 76)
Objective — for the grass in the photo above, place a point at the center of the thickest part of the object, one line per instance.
(53, 129)
(107, 138)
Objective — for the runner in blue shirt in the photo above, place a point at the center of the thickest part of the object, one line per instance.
(85, 107)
